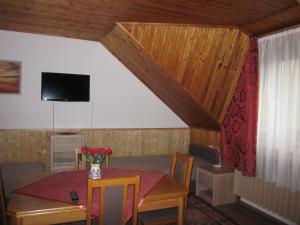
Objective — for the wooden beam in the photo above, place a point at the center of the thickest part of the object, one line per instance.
(286, 18)
(146, 68)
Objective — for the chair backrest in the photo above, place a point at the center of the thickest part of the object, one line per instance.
(80, 160)
(2, 202)
(187, 165)
(103, 184)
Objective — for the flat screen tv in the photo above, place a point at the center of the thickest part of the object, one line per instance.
(65, 87)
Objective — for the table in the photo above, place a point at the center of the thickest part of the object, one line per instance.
(26, 210)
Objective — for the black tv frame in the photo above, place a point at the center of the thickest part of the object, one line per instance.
(65, 87)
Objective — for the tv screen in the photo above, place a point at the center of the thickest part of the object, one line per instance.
(65, 87)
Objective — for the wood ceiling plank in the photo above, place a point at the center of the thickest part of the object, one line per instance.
(62, 17)
(69, 17)
(233, 72)
(145, 67)
(226, 12)
(285, 18)
(213, 53)
(200, 65)
(212, 97)
(205, 61)
(49, 31)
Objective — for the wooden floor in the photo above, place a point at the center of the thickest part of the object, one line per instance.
(246, 215)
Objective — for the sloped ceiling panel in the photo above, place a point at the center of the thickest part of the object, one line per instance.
(205, 61)
(277, 21)
(92, 19)
(88, 19)
(147, 69)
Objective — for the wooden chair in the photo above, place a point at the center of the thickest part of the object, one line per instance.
(170, 215)
(103, 184)
(80, 160)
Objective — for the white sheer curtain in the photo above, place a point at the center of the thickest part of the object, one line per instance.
(278, 134)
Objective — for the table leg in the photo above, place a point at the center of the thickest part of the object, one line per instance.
(16, 221)
(181, 211)
(184, 208)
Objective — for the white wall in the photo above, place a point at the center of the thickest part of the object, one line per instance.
(118, 98)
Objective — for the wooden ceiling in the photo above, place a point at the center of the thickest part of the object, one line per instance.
(148, 70)
(205, 61)
(92, 19)
(190, 56)
(194, 70)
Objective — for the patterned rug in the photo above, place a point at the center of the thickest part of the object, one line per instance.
(201, 213)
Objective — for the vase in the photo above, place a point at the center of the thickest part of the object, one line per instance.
(95, 171)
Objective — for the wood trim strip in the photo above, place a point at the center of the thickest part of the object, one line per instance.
(124, 24)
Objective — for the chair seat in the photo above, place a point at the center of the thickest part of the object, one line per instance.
(82, 222)
(181, 169)
(158, 215)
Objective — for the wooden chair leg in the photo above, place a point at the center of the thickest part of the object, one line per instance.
(181, 212)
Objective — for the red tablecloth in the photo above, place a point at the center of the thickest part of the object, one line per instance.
(58, 186)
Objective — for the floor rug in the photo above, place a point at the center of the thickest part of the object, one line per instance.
(201, 213)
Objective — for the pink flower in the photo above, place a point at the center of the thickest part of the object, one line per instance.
(107, 150)
(93, 151)
(95, 155)
(100, 151)
(84, 149)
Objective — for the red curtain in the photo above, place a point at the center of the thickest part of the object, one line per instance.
(238, 130)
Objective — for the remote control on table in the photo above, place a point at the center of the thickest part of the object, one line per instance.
(74, 196)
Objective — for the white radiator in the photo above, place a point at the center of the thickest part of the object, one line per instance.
(278, 202)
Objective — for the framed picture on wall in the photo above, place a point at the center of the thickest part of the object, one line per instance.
(10, 76)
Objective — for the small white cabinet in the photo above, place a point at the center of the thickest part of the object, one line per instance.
(215, 185)
(62, 151)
